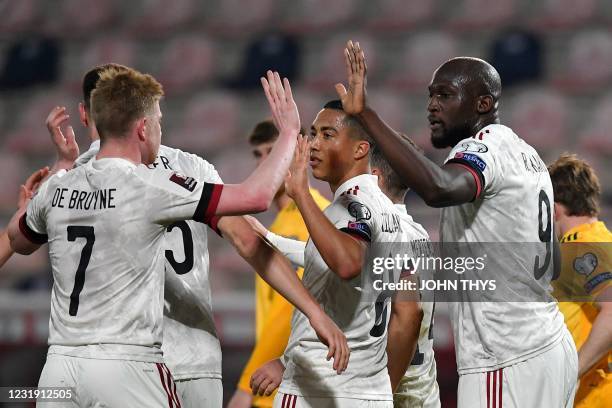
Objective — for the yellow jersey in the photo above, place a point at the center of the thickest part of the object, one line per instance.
(272, 312)
(586, 269)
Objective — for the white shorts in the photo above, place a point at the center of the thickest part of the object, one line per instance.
(200, 392)
(420, 392)
(547, 380)
(109, 383)
(295, 401)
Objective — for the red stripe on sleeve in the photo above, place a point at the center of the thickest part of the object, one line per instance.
(213, 203)
(32, 236)
(476, 178)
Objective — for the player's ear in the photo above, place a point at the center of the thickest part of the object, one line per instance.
(362, 149)
(83, 116)
(141, 127)
(485, 104)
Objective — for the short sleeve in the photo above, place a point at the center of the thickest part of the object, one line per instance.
(174, 196)
(478, 155)
(355, 217)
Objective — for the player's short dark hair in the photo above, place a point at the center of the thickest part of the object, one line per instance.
(391, 179)
(575, 185)
(350, 121)
(90, 79)
(265, 132)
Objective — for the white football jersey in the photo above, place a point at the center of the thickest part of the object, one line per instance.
(424, 355)
(105, 222)
(189, 328)
(514, 204)
(359, 208)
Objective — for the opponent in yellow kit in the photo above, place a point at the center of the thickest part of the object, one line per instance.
(584, 287)
(272, 312)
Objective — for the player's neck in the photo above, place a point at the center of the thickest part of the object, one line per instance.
(569, 223)
(118, 148)
(483, 122)
(354, 172)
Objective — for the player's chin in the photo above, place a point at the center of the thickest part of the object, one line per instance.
(439, 139)
(318, 172)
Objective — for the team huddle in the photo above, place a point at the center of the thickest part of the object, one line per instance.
(132, 326)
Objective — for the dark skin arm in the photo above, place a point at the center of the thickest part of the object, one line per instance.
(444, 186)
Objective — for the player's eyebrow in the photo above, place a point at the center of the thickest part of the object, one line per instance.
(324, 128)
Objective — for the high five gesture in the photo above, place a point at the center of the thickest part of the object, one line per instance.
(354, 100)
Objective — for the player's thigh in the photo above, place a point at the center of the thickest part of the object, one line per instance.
(121, 383)
(472, 391)
(59, 371)
(200, 392)
(421, 392)
(295, 401)
(546, 380)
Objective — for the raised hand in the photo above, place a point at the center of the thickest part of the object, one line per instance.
(256, 225)
(354, 100)
(27, 190)
(284, 110)
(267, 378)
(65, 143)
(296, 182)
(329, 334)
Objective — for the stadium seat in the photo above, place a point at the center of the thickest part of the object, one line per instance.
(14, 173)
(308, 16)
(209, 123)
(19, 16)
(399, 15)
(159, 17)
(563, 14)
(540, 117)
(421, 55)
(482, 14)
(240, 18)
(325, 67)
(589, 62)
(595, 139)
(104, 50)
(186, 62)
(309, 104)
(30, 136)
(75, 23)
(392, 107)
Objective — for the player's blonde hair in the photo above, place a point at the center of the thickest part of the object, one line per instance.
(575, 185)
(121, 97)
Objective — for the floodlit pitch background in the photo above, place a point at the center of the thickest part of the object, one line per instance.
(555, 57)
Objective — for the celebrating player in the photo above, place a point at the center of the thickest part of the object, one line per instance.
(272, 311)
(493, 187)
(106, 321)
(586, 274)
(334, 258)
(418, 386)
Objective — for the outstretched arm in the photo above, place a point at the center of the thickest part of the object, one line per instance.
(274, 268)
(256, 193)
(343, 253)
(599, 342)
(293, 249)
(18, 241)
(444, 186)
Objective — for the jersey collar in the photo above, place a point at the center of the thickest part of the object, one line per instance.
(363, 179)
(597, 225)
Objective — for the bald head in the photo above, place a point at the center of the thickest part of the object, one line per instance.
(474, 74)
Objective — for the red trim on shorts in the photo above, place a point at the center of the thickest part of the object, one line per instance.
(495, 389)
(501, 386)
(161, 377)
(294, 401)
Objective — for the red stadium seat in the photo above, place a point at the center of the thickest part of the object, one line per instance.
(186, 62)
(596, 139)
(482, 14)
(76, 23)
(14, 173)
(240, 18)
(309, 104)
(422, 54)
(209, 123)
(540, 117)
(564, 14)
(326, 68)
(19, 16)
(105, 50)
(30, 136)
(392, 106)
(308, 16)
(159, 17)
(399, 15)
(589, 62)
